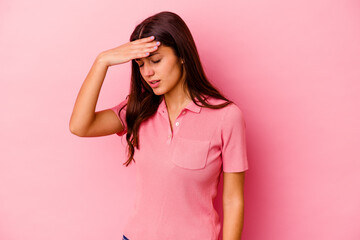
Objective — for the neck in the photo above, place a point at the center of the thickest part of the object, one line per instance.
(176, 101)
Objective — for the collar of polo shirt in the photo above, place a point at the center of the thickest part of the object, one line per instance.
(191, 106)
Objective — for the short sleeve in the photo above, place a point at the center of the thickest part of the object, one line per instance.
(234, 156)
(122, 115)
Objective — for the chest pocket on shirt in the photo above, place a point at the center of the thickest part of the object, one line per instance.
(190, 154)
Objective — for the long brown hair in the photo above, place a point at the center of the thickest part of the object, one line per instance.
(171, 31)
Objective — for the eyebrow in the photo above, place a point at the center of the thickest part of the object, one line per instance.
(151, 54)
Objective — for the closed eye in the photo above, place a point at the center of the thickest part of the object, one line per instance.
(152, 61)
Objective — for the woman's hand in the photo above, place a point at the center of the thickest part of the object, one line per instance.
(131, 50)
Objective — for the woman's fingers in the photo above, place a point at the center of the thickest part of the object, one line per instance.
(144, 52)
(151, 47)
(146, 45)
(141, 55)
(131, 50)
(143, 40)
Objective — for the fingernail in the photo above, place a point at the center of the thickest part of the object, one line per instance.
(157, 43)
(152, 37)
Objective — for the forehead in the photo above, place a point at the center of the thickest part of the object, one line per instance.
(161, 51)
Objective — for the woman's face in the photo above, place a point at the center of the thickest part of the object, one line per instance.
(165, 66)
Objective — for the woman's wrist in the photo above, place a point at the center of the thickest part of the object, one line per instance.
(101, 60)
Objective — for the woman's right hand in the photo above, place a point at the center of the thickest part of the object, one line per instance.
(131, 50)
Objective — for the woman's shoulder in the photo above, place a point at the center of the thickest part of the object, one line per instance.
(217, 101)
(232, 110)
(121, 105)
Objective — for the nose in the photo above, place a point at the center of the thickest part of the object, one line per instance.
(147, 70)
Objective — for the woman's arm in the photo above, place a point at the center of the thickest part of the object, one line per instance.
(84, 109)
(233, 205)
(84, 121)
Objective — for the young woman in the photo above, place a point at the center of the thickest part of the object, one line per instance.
(181, 131)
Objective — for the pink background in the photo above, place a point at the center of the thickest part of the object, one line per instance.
(291, 66)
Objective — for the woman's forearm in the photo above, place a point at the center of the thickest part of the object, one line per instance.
(233, 221)
(84, 108)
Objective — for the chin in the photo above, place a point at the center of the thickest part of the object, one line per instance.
(157, 92)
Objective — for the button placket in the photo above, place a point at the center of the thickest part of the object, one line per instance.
(169, 137)
(172, 133)
(178, 121)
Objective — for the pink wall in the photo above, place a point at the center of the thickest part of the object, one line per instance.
(292, 67)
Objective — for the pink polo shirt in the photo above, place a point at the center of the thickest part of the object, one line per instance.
(178, 173)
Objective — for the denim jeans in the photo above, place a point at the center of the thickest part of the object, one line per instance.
(124, 238)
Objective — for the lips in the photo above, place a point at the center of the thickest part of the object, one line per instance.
(154, 81)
